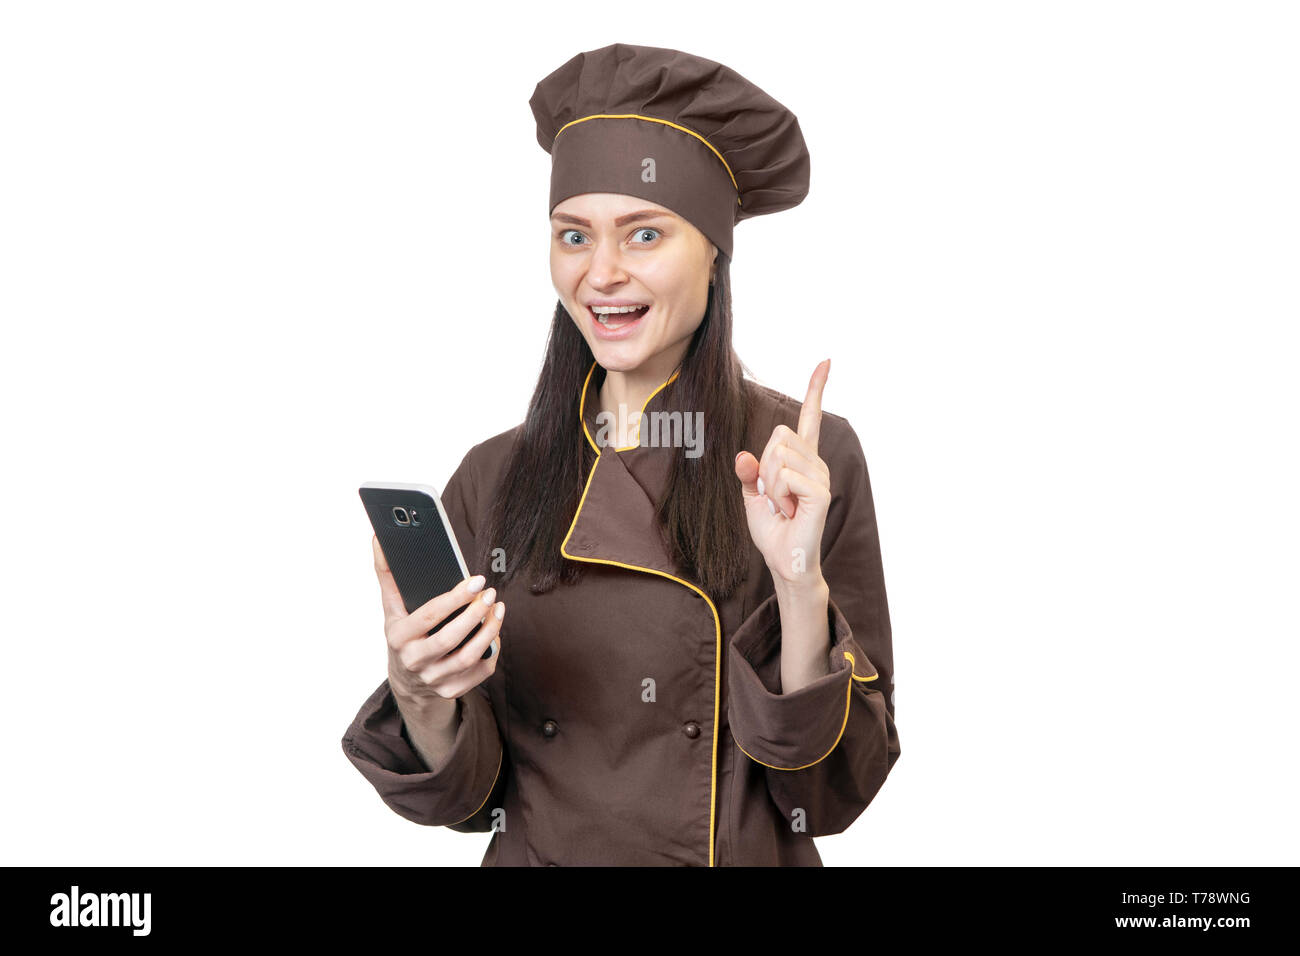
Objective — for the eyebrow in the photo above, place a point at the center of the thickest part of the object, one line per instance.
(640, 214)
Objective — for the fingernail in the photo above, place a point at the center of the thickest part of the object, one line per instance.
(771, 507)
(501, 610)
(760, 486)
(476, 583)
(489, 596)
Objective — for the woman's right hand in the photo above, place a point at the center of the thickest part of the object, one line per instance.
(420, 669)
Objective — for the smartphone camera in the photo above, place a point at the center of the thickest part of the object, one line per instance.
(415, 517)
(400, 515)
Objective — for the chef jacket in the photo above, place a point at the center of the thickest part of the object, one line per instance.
(633, 719)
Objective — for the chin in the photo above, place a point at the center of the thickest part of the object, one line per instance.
(616, 359)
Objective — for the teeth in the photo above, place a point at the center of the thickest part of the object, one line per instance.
(603, 312)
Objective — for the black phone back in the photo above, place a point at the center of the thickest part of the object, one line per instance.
(418, 543)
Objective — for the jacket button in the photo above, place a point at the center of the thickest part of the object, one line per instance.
(691, 729)
(550, 728)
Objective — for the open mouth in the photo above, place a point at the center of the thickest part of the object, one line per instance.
(608, 322)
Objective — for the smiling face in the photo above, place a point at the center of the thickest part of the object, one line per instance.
(611, 250)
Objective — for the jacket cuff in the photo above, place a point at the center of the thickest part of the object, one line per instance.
(796, 730)
(377, 745)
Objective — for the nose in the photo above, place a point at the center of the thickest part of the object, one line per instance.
(605, 267)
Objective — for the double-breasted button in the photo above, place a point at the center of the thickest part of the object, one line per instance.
(550, 728)
(691, 729)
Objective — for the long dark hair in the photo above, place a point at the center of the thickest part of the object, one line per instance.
(700, 513)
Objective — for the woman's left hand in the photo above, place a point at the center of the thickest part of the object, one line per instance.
(787, 493)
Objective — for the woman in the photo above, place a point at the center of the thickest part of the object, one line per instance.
(696, 668)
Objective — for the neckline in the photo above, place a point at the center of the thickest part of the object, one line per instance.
(582, 408)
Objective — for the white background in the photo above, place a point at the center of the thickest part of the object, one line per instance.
(253, 254)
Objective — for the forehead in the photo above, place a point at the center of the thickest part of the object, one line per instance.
(608, 208)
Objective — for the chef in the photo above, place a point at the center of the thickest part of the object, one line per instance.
(691, 652)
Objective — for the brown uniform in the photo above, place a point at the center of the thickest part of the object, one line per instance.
(566, 755)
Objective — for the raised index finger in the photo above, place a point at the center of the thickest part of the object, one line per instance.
(810, 416)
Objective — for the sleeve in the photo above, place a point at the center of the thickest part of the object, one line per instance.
(828, 746)
(464, 791)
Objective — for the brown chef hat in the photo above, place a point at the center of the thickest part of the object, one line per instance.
(681, 131)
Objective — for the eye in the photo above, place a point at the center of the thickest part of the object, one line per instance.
(565, 233)
(644, 229)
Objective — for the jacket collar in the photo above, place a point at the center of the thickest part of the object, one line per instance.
(616, 518)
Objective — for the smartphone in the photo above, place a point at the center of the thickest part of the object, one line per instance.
(419, 544)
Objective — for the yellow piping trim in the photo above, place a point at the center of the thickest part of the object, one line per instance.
(837, 736)
(852, 662)
(655, 119)
(490, 789)
(582, 405)
(717, 626)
